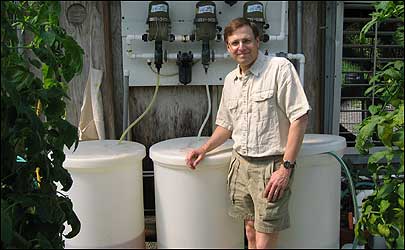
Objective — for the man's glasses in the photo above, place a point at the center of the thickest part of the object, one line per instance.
(236, 43)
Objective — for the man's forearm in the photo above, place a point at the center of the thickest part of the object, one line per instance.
(219, 136)
(295, 138)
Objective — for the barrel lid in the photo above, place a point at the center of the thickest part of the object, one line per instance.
(102, 151)
(173, 152)
(321, 143)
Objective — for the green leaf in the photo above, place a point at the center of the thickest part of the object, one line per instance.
(368, 209)
(365, 133)
(49, 83)
(374, 109)
(70, 133)
(45, 69)
(381, 5)
(401, 162)
(385, 190)
(48, 37)
(399, 65)
(401, 190)
(376, 157)
(71, 217)
(392, 73)
(68, 73)
(360, 235)
(398, 119)
(398, 139)
(383, 230)
(25, 82)
(400, 242)
(384, 132)
(373, 218)
(401, 203)
(63, 176)
(384, 205)
(46, 56)
(389, 156)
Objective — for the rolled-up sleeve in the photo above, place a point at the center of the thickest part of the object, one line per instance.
(223, 116)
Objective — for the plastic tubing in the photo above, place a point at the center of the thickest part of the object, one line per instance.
(208, 112)
(352, 189)
(146, 111)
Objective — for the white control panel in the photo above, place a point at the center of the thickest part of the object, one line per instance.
(137, 52)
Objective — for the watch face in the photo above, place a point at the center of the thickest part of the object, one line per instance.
(288, 165)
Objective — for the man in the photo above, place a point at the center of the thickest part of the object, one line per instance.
(264, 109)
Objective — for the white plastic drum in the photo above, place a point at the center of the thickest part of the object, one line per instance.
(107, 194)
(192, 205)
(315, 200)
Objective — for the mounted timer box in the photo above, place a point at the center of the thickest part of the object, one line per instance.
(184, 39)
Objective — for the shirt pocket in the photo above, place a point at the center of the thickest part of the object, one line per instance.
(263, 105)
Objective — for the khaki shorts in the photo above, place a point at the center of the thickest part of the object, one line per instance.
(247, 179)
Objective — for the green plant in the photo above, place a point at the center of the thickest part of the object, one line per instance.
(33, 211)
(383, 211)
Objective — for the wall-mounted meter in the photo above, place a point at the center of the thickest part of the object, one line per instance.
(180, 36)
(205, 20)
(158, 21)
(254, 12)
(205, 28)
(159, 28)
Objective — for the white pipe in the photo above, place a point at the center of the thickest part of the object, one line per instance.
(129, 38)
(181, 38)
(125, 102)
(138, 37)
(172, 56)
(281, 36)
(301, 59)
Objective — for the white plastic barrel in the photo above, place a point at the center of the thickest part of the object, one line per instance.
(315, 199)
(192, 205)
(107, 194)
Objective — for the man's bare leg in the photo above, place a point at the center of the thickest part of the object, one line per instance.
(266, 240)
(250, 234)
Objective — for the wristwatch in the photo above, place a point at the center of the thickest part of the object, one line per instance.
(289, 164)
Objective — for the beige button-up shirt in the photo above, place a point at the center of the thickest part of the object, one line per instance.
(259, 106)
